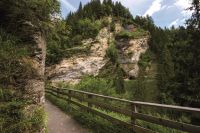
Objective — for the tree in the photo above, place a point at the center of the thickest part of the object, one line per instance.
(119, 81)
(80, 7)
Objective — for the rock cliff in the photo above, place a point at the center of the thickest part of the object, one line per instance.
(130, 51)
(72, 69)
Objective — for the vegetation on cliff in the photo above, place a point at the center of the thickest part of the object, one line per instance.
(85, 23)
(175, 52)
(20, 22)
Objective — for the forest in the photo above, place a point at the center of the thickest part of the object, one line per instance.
(24, 25)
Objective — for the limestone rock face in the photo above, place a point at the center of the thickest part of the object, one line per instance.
(118, 27)
(130, 55)
(71, 70)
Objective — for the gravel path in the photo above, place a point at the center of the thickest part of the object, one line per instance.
(59, 122)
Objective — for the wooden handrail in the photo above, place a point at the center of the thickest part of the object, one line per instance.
(133, 112)
(173, 107)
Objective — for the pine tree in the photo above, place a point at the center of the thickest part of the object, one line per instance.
(80, 7)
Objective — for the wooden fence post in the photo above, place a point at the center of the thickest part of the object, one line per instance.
(133, 119)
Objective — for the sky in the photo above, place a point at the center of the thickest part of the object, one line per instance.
(165, 13)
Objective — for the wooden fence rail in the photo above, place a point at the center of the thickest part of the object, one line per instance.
(132, 111)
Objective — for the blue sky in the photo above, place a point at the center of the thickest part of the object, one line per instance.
(164, 12)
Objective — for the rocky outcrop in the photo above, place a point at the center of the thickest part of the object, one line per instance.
(118, 27)
(71, 70)
(130, 54)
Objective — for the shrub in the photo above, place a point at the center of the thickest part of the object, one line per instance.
(87, 28)
(96, 85)
(119, 81)
(145, 59)
(132, 35)
(104, 23)
(112, 27)
(112, 53)
(54, 53)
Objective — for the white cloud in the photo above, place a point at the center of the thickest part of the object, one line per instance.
(155, 7)
(183, 5)
(186, 13)
(67, 5)
(174, 23)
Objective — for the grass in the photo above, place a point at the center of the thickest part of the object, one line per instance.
(15, 117)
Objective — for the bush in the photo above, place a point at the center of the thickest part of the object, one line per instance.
(54, 53)
(119, 81)
(86, 28)
(112, 27)
(132, 35)
(76, 40)
(104, 23)
(96, 85)
(112, 53)
(145, 59)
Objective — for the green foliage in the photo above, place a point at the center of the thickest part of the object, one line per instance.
(23, 18)
(20, 22)
(96, 85)
(105, 22)
(159, 45)
(112, 26)
(54, 53)
(13, 69)
(15, 119)
(95, 10)
(83, 29)
(138, 33)
(85, 23)
(100, 125)
(108, 71)
(116, 74)
(14, 74)
(177, 52)
(119, 81)
(112, 53)
(86, 28)
(64, 36)
(145, 59)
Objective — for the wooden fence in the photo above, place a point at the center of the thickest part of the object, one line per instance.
(132, 112)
